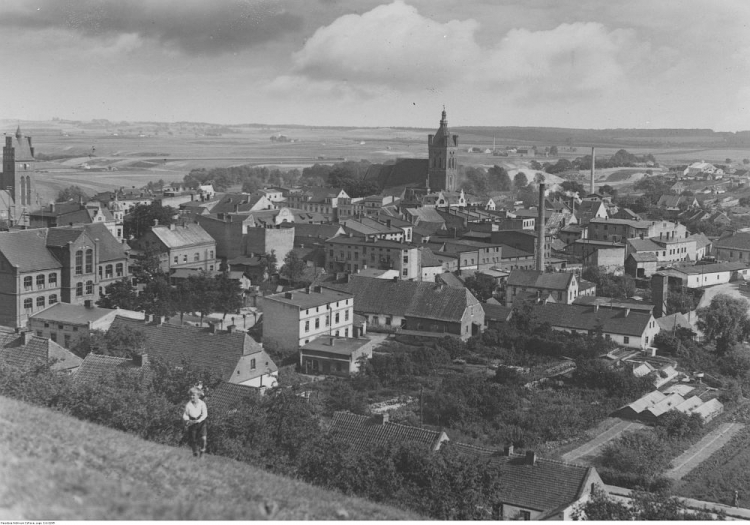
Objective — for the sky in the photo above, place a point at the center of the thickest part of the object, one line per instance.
(372, 63)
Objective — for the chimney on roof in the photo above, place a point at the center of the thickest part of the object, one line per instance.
(231, 328)
(332, 341)
(140, 360)
(508, 450)
(212, 328)
(288, 295)
(395, 279)
(27, 335)
(627, 312)
(172, 226)
(156, 222)
(88, 303)
(530, 457)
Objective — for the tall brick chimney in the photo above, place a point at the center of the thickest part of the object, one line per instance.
(593, 168)
(540, 238)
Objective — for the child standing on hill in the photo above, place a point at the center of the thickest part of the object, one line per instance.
(195, 421)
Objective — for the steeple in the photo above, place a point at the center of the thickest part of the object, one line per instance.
(442, 149)
(19, 134)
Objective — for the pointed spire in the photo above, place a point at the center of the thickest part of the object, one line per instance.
(18, 133)
(444, 120)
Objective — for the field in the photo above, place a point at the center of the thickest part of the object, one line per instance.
(132, 154)
(58, 468)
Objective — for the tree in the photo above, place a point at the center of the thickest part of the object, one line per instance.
(573, 187)
(553, 150)
(269, 263)
(228, 294)
(481, 285)
(293, 268)
(142, 217)
(498, 179)
(120, 294)
(74, 193)
(520, 181)
(156, 297)
(725, 321)
(644, 506)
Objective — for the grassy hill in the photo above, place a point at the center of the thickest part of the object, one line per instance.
(55, 467)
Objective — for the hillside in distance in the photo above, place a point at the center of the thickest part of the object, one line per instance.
(55, 467)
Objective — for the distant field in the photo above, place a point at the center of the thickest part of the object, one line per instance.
(170, 151)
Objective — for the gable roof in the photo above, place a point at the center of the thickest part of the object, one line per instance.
(27, 249)
(25, 354)
(110, 249)
(188, 235)
(737, 241)
(364, 433)
(228, 354)
(581, 317)
(644, 245)
(97, 367)
(539, 279)
(409, 298)
(228, 396)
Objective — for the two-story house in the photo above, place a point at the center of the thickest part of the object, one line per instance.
(562, 286)
(179, 246)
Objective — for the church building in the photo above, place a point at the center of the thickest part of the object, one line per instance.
(17, 195)
(443, 167)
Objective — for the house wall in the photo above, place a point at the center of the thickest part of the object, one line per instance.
(644, 340)
(384, 320)
(514, 513)
(68, 334)
(428, 273)
(266, 380)
(610, 258)
(291, 327)
(733, 254)
(263, 240)
(334, 364)
(228, 236)
(357, 256)
(709, 279)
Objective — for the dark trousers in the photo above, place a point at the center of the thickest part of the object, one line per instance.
(196, 434)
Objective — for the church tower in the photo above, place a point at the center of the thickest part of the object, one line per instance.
(17, 177)
(442, 174)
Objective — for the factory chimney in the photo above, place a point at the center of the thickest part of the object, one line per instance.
(593, 167)
(540, 237)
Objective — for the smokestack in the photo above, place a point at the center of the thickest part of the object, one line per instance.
(593, 168)
(540, 238)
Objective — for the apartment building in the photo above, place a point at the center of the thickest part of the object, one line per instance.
(352, 254)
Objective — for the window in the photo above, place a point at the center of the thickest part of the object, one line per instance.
(89, 261)
(211, 254)
(52, 279)
(388, 320)
(626, 339)
(53, 299)
(39, 333)
(346, 315)
(40, 301)
(317, 322)
(176, 259)
(67, 340)
(525, 515)
(196, 257)
(89, 287)
(307, 326)
(27, 282)
(108, 271)
(53, 336)
(252, 364)
(184, 258)
(405, 272)
(28, 304)
(120, 269)
(79, 262)
(337, 318)
(40, 281)
(100, 272)
(79, 289)
(406, 259)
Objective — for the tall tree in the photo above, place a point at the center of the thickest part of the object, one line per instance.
(142, 217)
(228, 294)
(120, 294)
(520, 181)
(74, 193)
(293, 268)
(156, 297)
(725, 321)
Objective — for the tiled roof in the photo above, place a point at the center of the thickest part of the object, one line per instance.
(545, 486)
(450, 280)
(738, 241)
(426, 215)
(97, 367)
(365, 433)
(181, 236)
(22, 147)
(27, 249)
(538, 279)
(579, 317)
(228, 396)
(496, 312)
(429, 259)
(37, 351)
(110, 249)
(321, 231)
(237, 203)
(644, 257)
(644, 245)
(712, 268)
(58, 237)
(408, 298)
(228, 354)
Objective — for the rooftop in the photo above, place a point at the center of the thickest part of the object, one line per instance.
(305, 298)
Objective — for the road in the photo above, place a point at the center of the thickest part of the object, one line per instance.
(702, 450)
(595, 445)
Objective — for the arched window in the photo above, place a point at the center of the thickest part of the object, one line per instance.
(79, 289)
(119, 268)
(40, 301)
(28, 282)
(79, 262)
(28, 304)
(40, 281)
(89, 261)
(89, 287)
(53, 299)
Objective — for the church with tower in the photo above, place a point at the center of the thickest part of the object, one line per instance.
(17, 180)
(442, 174)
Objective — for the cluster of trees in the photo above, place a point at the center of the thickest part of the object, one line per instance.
(480, 181)
(251, 178)
(643, 506)
(609, 285)
(143, 216)
(72, 193)
(621, 159)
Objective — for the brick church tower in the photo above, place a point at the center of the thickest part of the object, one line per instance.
(442, 172)
(17, 178)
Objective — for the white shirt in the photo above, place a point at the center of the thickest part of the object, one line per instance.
(197, 410)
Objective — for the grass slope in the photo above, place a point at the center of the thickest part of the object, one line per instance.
(54, 467)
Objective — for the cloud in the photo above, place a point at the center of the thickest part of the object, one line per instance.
(390, 45)
(395, 46)
(192, 26)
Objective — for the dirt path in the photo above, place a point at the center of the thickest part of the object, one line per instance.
(710, 443)
(592, 447)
